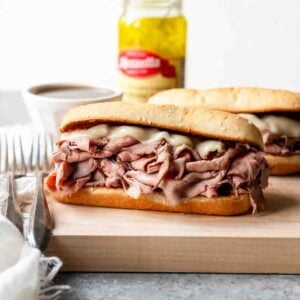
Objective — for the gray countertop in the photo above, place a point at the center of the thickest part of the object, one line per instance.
(135, 286)
(159, 286)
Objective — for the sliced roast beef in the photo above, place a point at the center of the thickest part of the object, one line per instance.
(64, 170)
(246, 168)
(178, 172)
(88, 145)
(82, 144)
(74, 156)
(143, 177)
(85, 168)
(142, 149)
(178, 166)
(128, 156)
(181, 156)
(141, 164)
(280, 144)
(191, 185)
(256, 197)
(97, 179)
(162, 164)
(135, 188)
(118, 144)
(185, 151)
(113, 172)
(80, 150)
(73, 186)
(216, 164)
(243, 173)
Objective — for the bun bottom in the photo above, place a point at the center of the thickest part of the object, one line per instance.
(283, 165)
(117, 198)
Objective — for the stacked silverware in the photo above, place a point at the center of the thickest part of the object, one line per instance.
(35, 225)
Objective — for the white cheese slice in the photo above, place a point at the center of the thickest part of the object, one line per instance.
(277, 124)
(282, 125)
(259, 123)
(140, 133)
(204, 148)
(90, 133)
(178, 140)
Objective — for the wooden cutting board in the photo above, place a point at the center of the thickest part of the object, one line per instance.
(103, 239)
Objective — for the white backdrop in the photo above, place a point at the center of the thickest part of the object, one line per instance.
(230, 42)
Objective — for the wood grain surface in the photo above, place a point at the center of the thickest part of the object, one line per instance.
(104, 239)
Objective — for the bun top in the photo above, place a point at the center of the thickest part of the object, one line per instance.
(232, 99)
(187, 120)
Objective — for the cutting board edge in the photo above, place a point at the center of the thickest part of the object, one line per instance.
(161, 254)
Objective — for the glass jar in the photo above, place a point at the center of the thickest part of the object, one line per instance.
(152, 47)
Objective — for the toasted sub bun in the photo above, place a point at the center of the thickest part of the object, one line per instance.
(282, 165)
(231, 99)
(187, 120)
(117, 198)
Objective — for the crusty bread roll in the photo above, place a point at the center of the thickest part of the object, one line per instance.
(240, 100)
(201, 122)
(236, 100)
(283, 165)
(117, 198)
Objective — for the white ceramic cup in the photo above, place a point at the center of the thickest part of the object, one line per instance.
(46, 112)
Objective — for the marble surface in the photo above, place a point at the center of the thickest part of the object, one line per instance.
(133, 286)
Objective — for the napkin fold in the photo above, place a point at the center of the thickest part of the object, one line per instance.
(25, 274)
(19, 265)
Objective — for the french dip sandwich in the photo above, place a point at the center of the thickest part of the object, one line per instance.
(163, 158)
(275, 112)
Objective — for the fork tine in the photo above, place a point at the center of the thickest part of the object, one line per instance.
(51, 143)
(22, 160)
(40, 222)
(44, 160)
(29, 164)
(13, 158)
(50, 150)
(5, 167)
(38, 152)
(1, 154)
(13, 212)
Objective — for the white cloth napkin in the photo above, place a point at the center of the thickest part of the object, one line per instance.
(19, 265)
(25, 274)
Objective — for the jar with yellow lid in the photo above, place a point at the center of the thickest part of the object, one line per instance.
(152, 47)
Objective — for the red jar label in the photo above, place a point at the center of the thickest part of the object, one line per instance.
(138, 63)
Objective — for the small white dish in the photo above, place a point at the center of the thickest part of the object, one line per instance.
(47, 104)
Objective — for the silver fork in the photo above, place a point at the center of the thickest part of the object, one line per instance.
(10, 169)
(39, 223)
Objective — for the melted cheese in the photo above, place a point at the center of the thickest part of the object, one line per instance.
(259, 123)
(178, 140)
(280, 125)
(204, 148)
(155, 134)
(147, 135)
(90, 133)
(283, 125)
(140, 133)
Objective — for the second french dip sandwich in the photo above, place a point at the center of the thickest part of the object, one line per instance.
(275, 112)
(164, 158)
